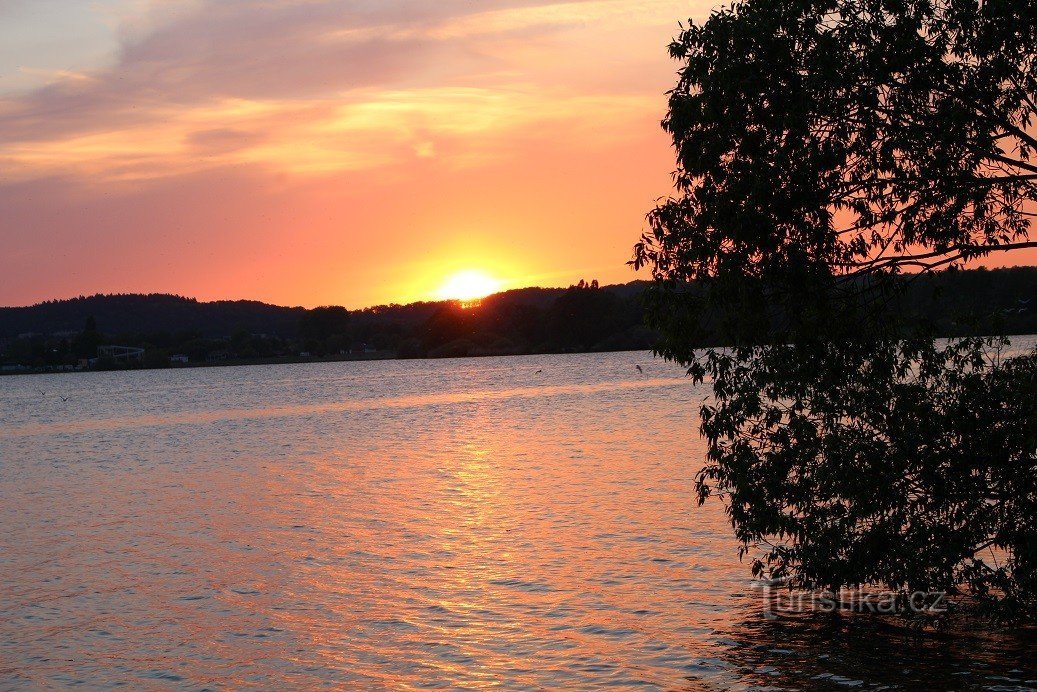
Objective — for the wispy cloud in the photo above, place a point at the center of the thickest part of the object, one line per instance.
(398, 76)
(360, 130)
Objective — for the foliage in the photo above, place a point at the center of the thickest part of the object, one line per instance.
(822, 149)
(897, 462)
(324, 322)
(86, 342)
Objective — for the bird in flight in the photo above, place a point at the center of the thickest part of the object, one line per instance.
(639, 369)
(539, 371)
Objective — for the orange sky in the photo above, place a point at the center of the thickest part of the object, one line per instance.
(327, 151)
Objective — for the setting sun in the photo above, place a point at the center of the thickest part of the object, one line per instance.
(467, 286)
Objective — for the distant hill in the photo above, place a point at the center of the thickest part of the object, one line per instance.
(151, 313)
(584, 317)
(154, 313)
(989, 301)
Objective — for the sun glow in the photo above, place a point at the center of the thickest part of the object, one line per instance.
(468, 286)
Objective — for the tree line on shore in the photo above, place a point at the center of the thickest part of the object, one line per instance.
(583, 317)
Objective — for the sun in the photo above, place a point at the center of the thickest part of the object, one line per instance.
(468, 286)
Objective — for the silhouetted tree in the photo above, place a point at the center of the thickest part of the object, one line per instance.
(822, 148)
(583, 316)
(321, 324)
(86, 342)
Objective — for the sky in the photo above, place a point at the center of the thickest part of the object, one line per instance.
(310, 152)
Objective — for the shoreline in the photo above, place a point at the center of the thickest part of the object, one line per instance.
(297, 360)
(359, 357)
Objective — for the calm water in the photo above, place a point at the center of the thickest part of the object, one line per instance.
(421, 523)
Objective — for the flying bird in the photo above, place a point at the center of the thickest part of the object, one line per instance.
(539, 371)
(639, 369)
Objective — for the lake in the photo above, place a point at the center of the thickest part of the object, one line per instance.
(522, 522)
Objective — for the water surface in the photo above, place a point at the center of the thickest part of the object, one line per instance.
(468, 522)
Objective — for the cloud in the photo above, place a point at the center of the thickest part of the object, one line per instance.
(515, 19)
(356, 131)
(259, 82)
(221, 141)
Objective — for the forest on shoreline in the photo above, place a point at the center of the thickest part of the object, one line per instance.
(177, 331)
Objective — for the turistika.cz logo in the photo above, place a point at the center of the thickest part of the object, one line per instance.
(779, 599)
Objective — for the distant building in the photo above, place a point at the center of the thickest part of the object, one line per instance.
(121, 354)
(216, 356)
(179, 359)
